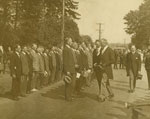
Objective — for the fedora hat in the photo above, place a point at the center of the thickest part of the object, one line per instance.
(67, 79)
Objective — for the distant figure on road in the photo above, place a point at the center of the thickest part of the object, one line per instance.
(116, 59)
(133, 67)
(121, 65)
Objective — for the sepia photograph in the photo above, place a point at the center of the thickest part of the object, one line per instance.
(74, 59)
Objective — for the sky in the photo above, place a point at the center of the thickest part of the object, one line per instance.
(108, 12)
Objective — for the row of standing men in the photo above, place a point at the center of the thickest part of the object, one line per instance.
(33, 67)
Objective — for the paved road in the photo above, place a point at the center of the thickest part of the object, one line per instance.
(49, 103)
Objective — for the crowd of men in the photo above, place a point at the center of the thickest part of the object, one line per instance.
(33, 67)
(120, 56)
(82, 62)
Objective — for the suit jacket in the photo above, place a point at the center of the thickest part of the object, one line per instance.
(83, 60)
(133, 63)
(52, 60)
(107, 59)
(30, 63)
(24, 63)
(41, 63)
(147, 61)
(46, 62)
(68, 60)
(96, 59)
(35, 59)
(57, 61)
(15, 65)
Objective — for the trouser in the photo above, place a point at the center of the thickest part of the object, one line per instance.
(53, 73)
(78, 85)
(70, 87)
(23, 86)
(83, 81)
(108, 87)
(121, 65)
(34, 79)
(47, 78)
(132, 80)
(16, 86)
(115, 65)
(89, 78)
(98, 74)
(40, 80)
(58, 75)
(148, 76)
(29, 83)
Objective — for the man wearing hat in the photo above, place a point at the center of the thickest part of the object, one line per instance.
(69, 69)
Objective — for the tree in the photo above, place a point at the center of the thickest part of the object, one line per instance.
(40, 21)
(138, 24)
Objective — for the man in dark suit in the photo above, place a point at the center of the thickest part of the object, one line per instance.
(133, 67)
(30, 63)
(25, 71)
(35, 67)
(107, 59)
(52, 64)
(42, 70)
(147, 65)
(16, 71)
(96, 62)
(58, 63)
(69, 68)
(47, 68)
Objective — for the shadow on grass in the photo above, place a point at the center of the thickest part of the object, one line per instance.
(59, 94)
(56, 93)
(7, 95)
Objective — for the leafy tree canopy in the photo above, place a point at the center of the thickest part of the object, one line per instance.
(138, 24)
(40, 21)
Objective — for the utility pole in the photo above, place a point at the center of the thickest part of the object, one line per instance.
(63, 21)
(100, 30)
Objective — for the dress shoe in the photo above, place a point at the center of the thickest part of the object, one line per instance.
(130, 91)
(111, 95)
(15, 98)
(23, 95)
(100, 98)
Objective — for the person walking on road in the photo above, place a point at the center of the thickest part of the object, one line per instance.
(96, 62)
(107, 59)
(133, 67)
